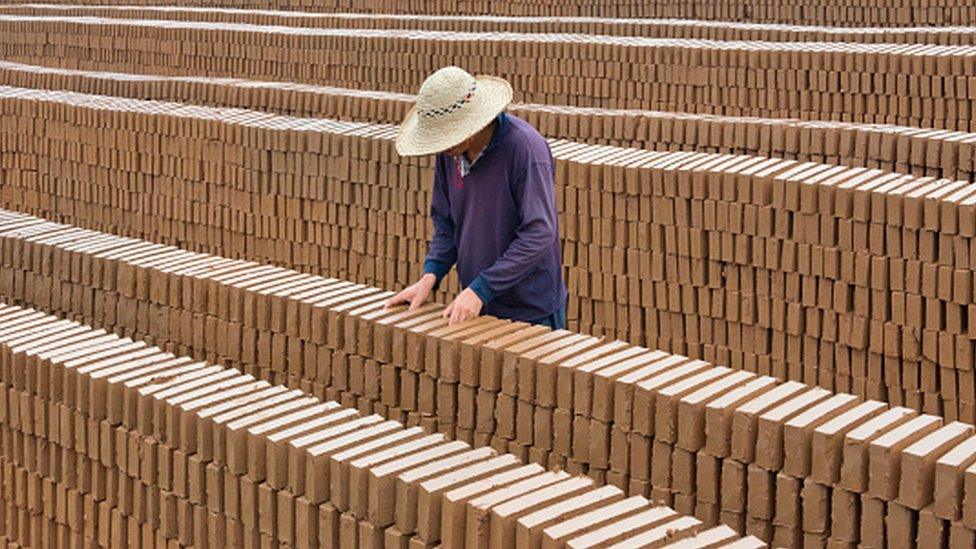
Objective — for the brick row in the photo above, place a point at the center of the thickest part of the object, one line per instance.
(650, 28)
(904, 149)
(125, 434)
(786, 462)
(820, 12)
(742, 261)
(914, 85)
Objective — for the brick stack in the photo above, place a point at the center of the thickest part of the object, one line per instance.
(772, 320)
(791, 464)
(818, 12)
(650, 28)
(922, 85)
(935, 153)
(110, 443)
(747, 262)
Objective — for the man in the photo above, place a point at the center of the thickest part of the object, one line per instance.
(493, 205)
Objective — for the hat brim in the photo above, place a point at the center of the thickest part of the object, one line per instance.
(417, 137)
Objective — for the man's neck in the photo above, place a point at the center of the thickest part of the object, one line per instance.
(480, 141)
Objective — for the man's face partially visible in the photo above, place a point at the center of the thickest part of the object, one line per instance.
(457, 150)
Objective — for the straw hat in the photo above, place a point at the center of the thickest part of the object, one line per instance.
(452, 106)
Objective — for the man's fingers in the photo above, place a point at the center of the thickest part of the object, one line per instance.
(448, 310)
(456, 316)
(393, 301)
(416, 302)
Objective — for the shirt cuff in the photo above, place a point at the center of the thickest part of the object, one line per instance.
(480, 287)
(436, 268)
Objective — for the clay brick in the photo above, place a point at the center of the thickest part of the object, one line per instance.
(617, 530)
(885, 452)
(949, 471)
(558, 534)
(719, 414)
(854, 472)
(917, 484)
(528, 530)
(769, 427)
(827, 440)
(691, 409)
(745, 419)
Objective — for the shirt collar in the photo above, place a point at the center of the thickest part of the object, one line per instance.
(496, 137)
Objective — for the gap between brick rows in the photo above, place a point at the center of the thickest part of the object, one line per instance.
(722, 445)
(658, 28)
(919, 151)
(135, 443)
(890, 14)
(573, 38)
(924, 85)
(744, 261)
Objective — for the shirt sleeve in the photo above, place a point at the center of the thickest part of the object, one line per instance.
(535, 196)
(442, 252)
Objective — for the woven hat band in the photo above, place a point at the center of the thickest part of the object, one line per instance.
(441, 111)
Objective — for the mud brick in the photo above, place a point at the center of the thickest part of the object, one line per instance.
(408, 483)
(257, 436)
(646, 392)
(960, 536)
(932, 529)
(901, 525)
(467, 352)
(789, 512)
(949, 479)
(429, 346)
(328, 525)
(885, 452)
(719, 418)
(816, 508)
(613, 386)
(522, 370)
(769, 427)
(529, 528)
(745, 419)
(666, 412)
(683, 473)
(759, 528)
(918, 463)
(575, 377)
(691, 409)
(827, 440)
(797, 432)
(873, 514)
(478, 512)
(347, 467)
(539, 383)
(715, 536)
(678, 529)
(503, 518)
(734, 487)
(855, 466)
(488, 367)
(310, 469)
(761, 493)
(430, 493)
(622, 529)
(503, 374)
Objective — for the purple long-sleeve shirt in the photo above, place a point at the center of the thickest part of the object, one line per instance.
(499, 224)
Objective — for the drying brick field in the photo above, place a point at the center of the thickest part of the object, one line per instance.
(767, 220)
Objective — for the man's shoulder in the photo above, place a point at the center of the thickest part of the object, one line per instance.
(524, 136)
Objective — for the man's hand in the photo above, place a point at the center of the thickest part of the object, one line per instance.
(465, 306)
(415, 294)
